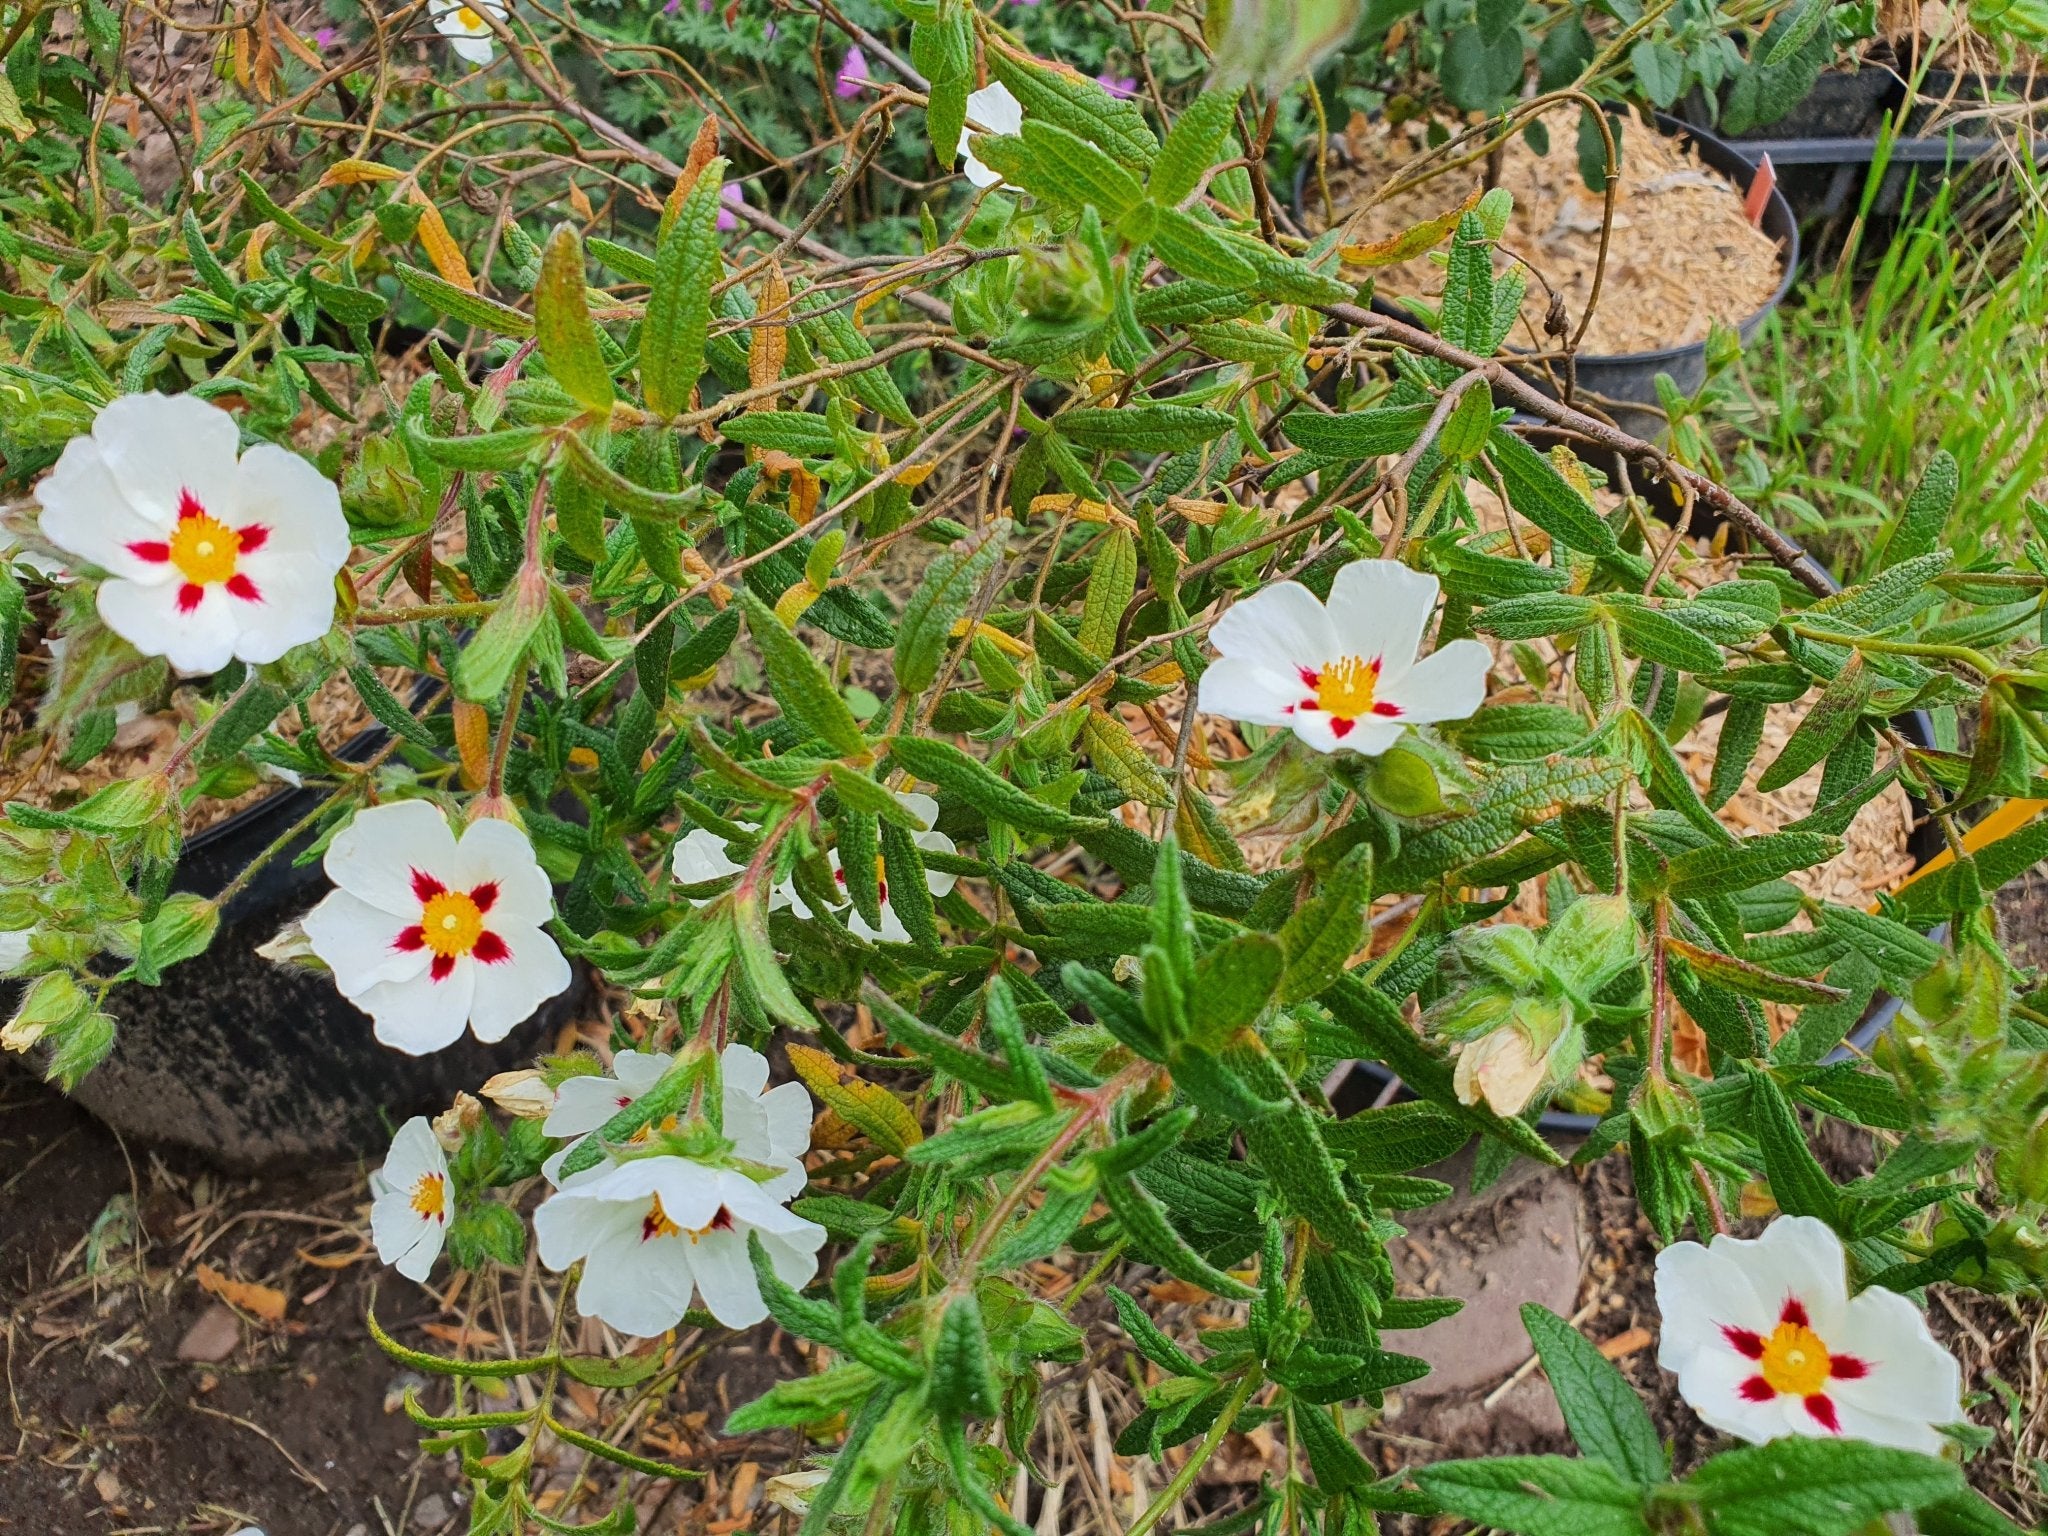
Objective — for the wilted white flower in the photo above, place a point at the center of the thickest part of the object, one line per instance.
(653, 1231)
(428, 935)
(523, 1093)
(926, 810)
(997, 111)
(1767, 1341)
(1343, 674)
(210, 556)
(462, 23)
(764, 1125)
(413, 1200)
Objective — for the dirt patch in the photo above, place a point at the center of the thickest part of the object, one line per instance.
(1682, 254)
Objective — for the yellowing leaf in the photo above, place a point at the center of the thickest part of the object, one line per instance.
(914, 475)
(1205, 513)
(792, 604)
(1009, 644)
(257, 1300)
(768, 347)
(440, 246)
(703, 150)
(882, 1117)
(473, 743)
(1410, 243)
(1082, 510)
(11, 115)
(348, 173)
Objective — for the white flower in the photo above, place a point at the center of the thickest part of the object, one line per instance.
(699, 856)
(13, 949)
(1346, 674)
(926, 810)
(427, 935)
(996, 111)
(464, 26)
(409, 1215)
(652, 1231)
(764, 1125)
(209, 557)
(1767, 1341)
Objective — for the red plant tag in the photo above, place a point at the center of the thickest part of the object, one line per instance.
(1759, 197)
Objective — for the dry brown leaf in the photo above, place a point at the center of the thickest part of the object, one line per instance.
(335, 1260)
(472, 742)
(461, 1335)
(1622, 1345)
(768, 347)
(703, 149)
(262, 1301)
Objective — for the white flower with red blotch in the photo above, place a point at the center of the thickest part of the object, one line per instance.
(462, 23)
(992, 109)
(1766, 1342)
(413, 1201)
(1343, 674)
(653, 1231)
(210, 556)
(764, 1125)
(892, 931)
(428, 935)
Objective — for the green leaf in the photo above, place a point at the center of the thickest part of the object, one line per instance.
(943, 51)
(1536, 615)
(1742, 732)
(1816, 1487)
(568, 338)
(1161, 428)
(799, 681)
(1192, 144)
(1077, 104)
(1144, 1222)
(444, 297)
(1467, 313)
(1396, 1137)
(486, 663)
(1541, 494)
(1737, 867)
(1798, 1182)
(678, 319)
(909, 897)
(1606, 1418)
(1656, 636)
(1366, 434)
(1323, 934)
(1538, 1495)
(1833, 716)
(389, 712)
(204, 262)
(1751, 979)
(943, 764)
(1061, 165)
(1927, 510)
(249, 712)
(1112, 580)
(1234, 982)
(940, 601)
(962, 1385)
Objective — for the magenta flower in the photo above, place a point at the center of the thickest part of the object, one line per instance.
(853, 69)
(326, 37)
(1123, 87)
(733, 194)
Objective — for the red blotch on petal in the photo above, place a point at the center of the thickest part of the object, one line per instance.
(1286, 709)
(189, 506)
(1847, 1368)
(485, 896)
(1757, 1390)
(1340, 727)
(152, 550)
(1795, 1313)
(442, 968)
(410, 939)
(1387, 711)
(252, 538)
(1309, 676)
(1745, 1342)
(721, 1222)
(244, 588)
(1823, 1412)
(425, 886)
(491, 949)
(190, 596)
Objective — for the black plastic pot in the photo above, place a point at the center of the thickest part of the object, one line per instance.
(1370, 1083)
(253, 1064)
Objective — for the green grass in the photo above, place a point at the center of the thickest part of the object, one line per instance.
(1837, 406)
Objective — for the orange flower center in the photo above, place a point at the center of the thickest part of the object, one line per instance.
(430, 1196)
(656, 1223)
(451, 924)
(1345, 688)
(1794, 1361)
(204, 549)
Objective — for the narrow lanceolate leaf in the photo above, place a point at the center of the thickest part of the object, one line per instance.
(1468, 288)
(1066, 166)
(1538, 1495)
(1798, 1182)
(1537, 491)
(1143, 428)
(444, 297)
(943, 764)
(962, 1385)
(1118, 757)
(1323, 935)
(940, 601)
(1357, 434)
(1606, 1417)
(1077, 104)
(909, 896)
(1192, 144)
(874, 1111)
(1656, 636)
(1742, 732)
(800, 683)
(1926, 513)
(1751, 979)
(1833, 717)
(1111, 583)
(13, 612)
(1723, 870)
(1144, 1221)
(568, 337)
(679, 303)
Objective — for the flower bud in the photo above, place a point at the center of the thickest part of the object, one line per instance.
(524, 1093)
(1667, 1111)
(52, 1001)
(1593, 941)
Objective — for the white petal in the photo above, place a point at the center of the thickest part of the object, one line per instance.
(1863, 1423)
(1281, 627)
(995, 108)
(13, 949)
(297, 506)
(1797, 1257)
(414, 1151)
(923, 807)
(1711, 1385)
(1909, 1373)
(499, 853)
(86, 512)
(638, 1071)
(1240, 689)
(359, 943)
(406, 1240)
(569, 1224)
(584, 1103)
(892, 930)
(788, 1107)
(743, 1070)
(699, 856)
(1368, 735)
(690, 1192)
(639, 1286)
(725, 1279)
(1379, 609)
(1448, 685)
(938, 882)
(473, 50)
(148, 617)
(508, 990)
(793, 1255)
(1699, 1291)
(420, 1015)
(293, 605)
(162, 446)
(374, 856)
